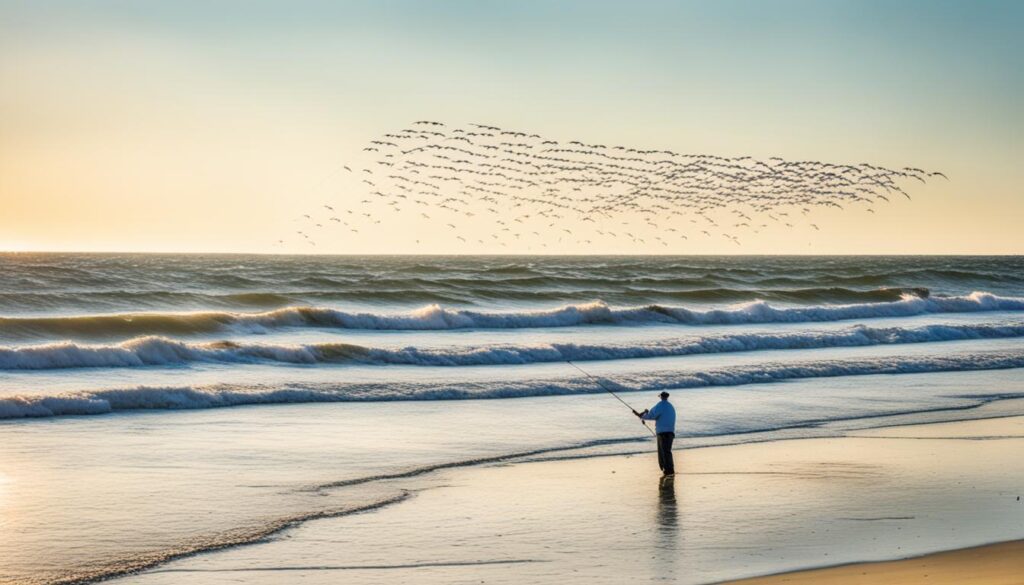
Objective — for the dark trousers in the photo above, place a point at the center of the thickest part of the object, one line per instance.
(665, 452)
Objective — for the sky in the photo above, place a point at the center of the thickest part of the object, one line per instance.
(213, 126)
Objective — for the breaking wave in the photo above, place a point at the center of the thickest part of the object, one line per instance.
(435, 317)
(163, 398)
(159, 351)
(448, 290)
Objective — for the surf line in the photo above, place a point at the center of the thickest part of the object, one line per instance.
(609, 390)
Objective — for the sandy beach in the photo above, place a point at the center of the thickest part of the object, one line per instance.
(731, 512)
(996, 564)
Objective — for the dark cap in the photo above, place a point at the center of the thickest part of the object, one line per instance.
(663, 394)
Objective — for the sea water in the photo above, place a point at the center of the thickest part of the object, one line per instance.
(158, 405)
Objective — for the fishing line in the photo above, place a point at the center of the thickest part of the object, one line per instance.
(609, 390)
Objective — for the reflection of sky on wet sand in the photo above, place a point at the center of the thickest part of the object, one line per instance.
(749, 509)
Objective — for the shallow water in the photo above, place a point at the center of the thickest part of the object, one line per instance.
(729, 512)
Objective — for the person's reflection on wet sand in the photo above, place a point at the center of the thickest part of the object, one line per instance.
(668, 512)
(666, 532)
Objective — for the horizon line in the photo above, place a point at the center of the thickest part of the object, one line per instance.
(500, 255)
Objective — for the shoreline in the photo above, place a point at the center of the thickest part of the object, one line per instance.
(776, 509)
(998, 563)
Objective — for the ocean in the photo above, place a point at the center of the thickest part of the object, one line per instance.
(154, 406)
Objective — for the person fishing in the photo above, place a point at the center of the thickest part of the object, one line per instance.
(664, 416)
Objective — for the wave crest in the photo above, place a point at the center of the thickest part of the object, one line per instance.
(163, 398)
(435, 317)
(159, 351)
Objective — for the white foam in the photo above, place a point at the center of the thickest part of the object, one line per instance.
(159, 398)
(435, 317)
(159, 351)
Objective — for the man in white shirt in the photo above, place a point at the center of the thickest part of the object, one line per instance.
(664, 416)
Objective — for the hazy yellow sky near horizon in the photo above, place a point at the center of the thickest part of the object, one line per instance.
(198, 127)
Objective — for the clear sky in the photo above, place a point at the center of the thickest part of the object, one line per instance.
(212, 125)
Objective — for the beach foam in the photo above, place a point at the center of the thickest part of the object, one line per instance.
(163, 398)
(159, 351)
(435, 317)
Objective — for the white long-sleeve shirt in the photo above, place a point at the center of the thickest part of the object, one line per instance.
(664, 416)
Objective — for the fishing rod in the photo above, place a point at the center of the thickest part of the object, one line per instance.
(609, 390)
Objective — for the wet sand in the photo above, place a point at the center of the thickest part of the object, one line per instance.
(731, 512)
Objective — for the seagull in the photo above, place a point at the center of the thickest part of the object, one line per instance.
(515, 176)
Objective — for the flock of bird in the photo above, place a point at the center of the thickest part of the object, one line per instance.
(485, 185)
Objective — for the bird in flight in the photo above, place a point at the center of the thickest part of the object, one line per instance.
(491, 178)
